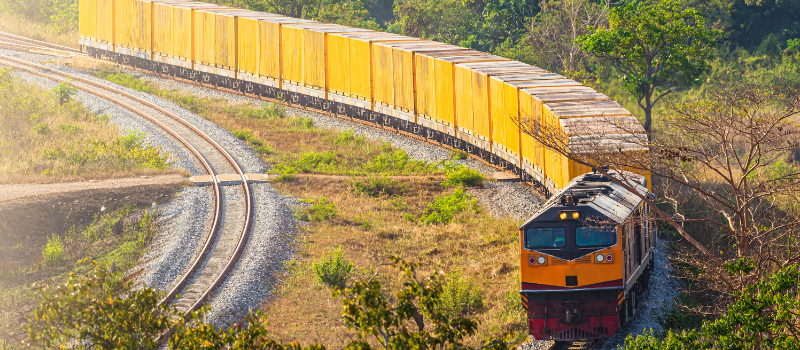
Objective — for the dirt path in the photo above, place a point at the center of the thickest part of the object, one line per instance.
(8, 192)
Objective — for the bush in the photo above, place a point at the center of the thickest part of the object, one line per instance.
(63, 92)
(69, 128)
(244, 134)
(458, 154)
(347, 137)
(269, 111)
(463, 176)
(443, 209)
(42, 129)
(305, 122)
(397, 162)
(322, 209)
(310, 162)
(53, 250)
(332, 270)
(460, 296)
(377, 187)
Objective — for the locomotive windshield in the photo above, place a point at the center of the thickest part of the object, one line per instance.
(545, 237)
(595, 236)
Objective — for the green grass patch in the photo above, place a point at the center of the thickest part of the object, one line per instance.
(378, 187)
(461, 175)
(320, 210)
(443, 209)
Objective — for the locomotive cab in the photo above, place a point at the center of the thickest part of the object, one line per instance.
(584, 257)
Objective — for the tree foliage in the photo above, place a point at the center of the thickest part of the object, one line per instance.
(658, 47)
(763, 317)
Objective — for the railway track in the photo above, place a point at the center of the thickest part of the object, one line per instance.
(21, 40)
(232, 220)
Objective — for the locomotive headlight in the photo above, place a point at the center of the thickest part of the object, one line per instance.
(563, 216)
(575, 215)
(600, 257)
(532, 260)
(541, 260)
(609, 258)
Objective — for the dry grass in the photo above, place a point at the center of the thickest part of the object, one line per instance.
(26, 27)
(369, 229)
(43, 141)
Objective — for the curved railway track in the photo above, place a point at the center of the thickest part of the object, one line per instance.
(21, 40)
(231, 222)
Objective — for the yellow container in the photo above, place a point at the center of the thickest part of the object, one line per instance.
(185, 25)
(304, 52)
(435, 96)
(217, 46)
(532, 150)
(350, 62)
(87, 19)
(248, 44)
(472, 90)
(393, 71)
(271, 45)
(105, 21)
(163, 26)
(142, 23)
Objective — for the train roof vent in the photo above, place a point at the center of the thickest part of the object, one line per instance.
(595, 178)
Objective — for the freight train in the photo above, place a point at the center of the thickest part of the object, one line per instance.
(458, 97)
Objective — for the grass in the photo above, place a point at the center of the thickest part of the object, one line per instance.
(45, 140)
(16, 24)
(397, 206)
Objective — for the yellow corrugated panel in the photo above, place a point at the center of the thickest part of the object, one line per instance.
(383, 92)
(87, 19)
(142, 24)
(403, 75)
(480, 104)
(463, 91)
(314, 46)
(182, 32)
(432, 85)
(248, 44)
(339, 56)
(511, 111)
(226, 39)
(105, 21)
(162, 29)
(497, 108)
(204, 37)
(292, 51)
(271, 45)
(123, 16)
(532, 151)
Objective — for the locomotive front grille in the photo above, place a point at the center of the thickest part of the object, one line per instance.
(576, 334)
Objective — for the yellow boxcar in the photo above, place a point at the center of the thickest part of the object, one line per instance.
(350, 61)
(185, 24)
(225, 37)
(393, 71)
(304, 51)
(87, 19)
(163, 26)
(435, 84)
(249, 40)
(271, 43)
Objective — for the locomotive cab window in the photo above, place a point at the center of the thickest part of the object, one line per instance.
(545, 237)
(595, 236)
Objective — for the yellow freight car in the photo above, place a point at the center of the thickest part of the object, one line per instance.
(350, 66)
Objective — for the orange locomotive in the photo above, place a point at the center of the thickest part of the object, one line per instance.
(586, 256)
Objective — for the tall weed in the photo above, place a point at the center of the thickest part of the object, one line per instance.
(378, 187)
(333, 270)
(320, 210)
(460, 295)
(54, 250)
(443, 209)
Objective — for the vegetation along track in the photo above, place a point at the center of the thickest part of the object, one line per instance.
(231, 224)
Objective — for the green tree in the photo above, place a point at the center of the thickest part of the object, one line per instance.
(658, 47)
(63, 92)
(765, 316)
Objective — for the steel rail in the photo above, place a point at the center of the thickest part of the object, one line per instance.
(244, 236)
(38, 42)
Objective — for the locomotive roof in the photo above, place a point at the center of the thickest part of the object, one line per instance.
(599, 193)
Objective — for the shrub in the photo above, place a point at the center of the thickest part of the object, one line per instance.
(463, 176)
(53, 250)
(376, 187)
(268, 111)
(443, 209)
(348, 136)
(460, 296)
(333, 270)
(244, 134)
(458, 154)
(397, 162)
(69, 128)
(42, 129)
(322, 209)
(304, 122)
(310, 162)
(63, 92)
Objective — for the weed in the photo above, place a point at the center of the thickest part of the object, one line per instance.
(244, 134)
(349, 137)
(443, 209)
(463, 176)
(458, 154)
(460, 296)
(304, 122)
(69, 128)
(53, 250)
(364, 222)
(270, 111)
(63, 92)
(127, 80)
(397, 162)
(333, 270)
(310, 162)
(264, 149)
(322, 209)
(398, 203)
(377, 187)
(42, 129)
